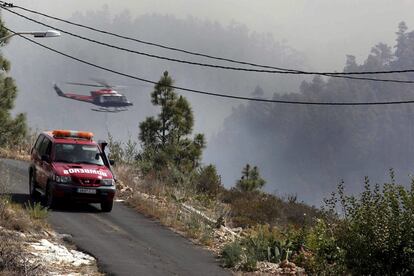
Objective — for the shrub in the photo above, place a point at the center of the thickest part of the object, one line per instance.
(208, 181)
(255, 207)
(267, 243)
(207, 235)
(260, 243)
(231, 254)
(376, 231)
(193, 226)
(116, 149)
(251, 208)
(36, 210)
(250, 259)
(316, 250)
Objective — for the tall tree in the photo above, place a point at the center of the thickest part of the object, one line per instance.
(165, 138)
(401, 39)
(12, 130)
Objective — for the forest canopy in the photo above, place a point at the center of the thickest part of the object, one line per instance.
(309, 149)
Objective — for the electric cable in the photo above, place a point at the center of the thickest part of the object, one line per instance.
(212, 93)
(278, 71)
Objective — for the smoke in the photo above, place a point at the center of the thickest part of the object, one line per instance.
(36, 69)
(294, 148)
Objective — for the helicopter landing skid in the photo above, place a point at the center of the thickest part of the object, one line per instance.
(109, 110)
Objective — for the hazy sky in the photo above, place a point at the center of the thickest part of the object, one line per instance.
(325, 30)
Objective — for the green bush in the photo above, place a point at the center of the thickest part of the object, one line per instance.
(207, 235)
(250, 259)
(267, 244)
(260, 243)
(316, 250)
(36, 210)
(193, 225)
(231, 254)
(376, 231)
(208, 181)
(116, 149)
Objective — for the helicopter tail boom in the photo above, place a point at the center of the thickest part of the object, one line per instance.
(59, 91)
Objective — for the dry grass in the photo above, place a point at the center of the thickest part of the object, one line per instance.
(13, 257)
(252, 208)
(20, 151)
(14, 220)
(14, 216)
(171, 215)
(155, 199)
(17, 154)
(160, 201)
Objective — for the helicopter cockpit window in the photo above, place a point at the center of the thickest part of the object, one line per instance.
(114, 98)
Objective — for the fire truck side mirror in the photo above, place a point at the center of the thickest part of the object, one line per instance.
(102, 144)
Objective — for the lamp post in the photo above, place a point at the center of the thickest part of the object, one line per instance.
(49, 33)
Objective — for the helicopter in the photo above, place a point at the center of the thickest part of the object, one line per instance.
(106, 98)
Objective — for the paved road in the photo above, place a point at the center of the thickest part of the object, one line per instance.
(124, 241)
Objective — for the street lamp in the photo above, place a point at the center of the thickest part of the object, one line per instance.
(49, 33)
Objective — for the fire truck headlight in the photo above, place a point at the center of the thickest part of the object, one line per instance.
(62, 179)
(107, 182)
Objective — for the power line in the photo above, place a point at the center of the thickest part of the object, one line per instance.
(143, 53)
(211, 93)
(277, 71)
(201, 54)
(145, 42)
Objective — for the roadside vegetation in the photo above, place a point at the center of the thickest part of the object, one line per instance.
(14, 221)
(252, 230)
(166, 180)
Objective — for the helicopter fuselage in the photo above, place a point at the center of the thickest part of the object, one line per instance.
(105, 98)
(109, 98)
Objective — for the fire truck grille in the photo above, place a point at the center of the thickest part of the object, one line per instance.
(88, 182)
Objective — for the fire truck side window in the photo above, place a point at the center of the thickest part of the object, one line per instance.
(45, 147)
(38, 143)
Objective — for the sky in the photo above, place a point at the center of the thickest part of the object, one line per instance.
(325, 30)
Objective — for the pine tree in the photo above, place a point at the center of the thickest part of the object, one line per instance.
(250, 180)
(401, 39)
(12, 131)
(165, 138)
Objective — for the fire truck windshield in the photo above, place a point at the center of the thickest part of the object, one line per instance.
(77, 153)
